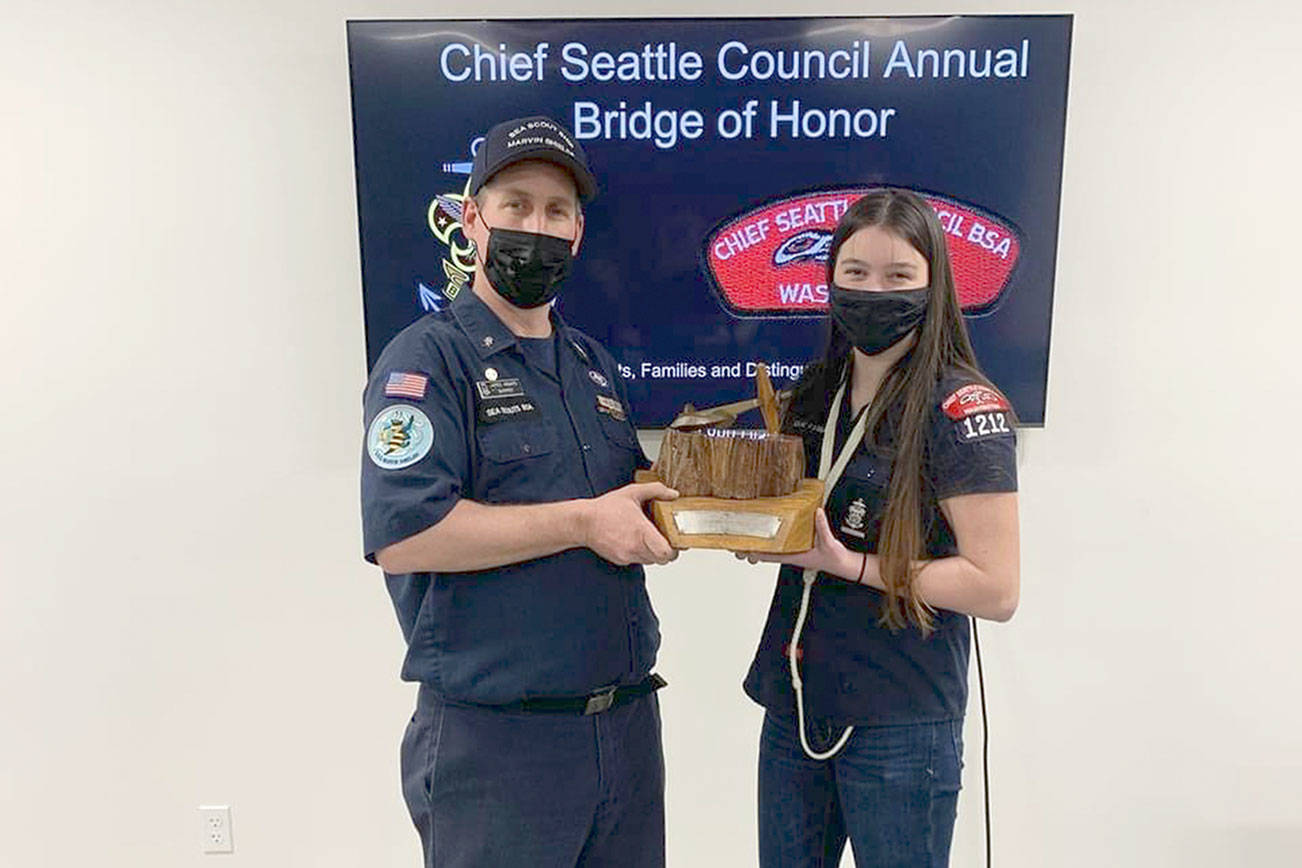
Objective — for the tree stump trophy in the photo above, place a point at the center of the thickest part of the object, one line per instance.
(741, 490)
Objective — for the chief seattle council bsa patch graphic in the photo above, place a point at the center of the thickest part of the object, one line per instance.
(399, 437)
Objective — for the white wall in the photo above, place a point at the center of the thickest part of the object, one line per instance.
(184, 614)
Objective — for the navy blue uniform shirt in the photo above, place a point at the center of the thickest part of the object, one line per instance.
(856, 671)
(457, 406)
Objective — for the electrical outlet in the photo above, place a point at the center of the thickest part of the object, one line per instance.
(216, 829)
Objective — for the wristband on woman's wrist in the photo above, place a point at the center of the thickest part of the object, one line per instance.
(862, 567)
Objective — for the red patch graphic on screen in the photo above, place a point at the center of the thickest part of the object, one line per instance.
(772, 260)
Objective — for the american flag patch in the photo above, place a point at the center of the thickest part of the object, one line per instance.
(404, 385)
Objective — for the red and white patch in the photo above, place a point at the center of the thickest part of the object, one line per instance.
(972, 399)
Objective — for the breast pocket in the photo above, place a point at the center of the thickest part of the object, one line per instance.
(618, 454)
(517, 462)
(620, 433)
(858, 502)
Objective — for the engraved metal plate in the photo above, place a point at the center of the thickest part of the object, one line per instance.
(718, 521)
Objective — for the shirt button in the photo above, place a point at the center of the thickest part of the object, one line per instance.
(586, 447)
(527, 449)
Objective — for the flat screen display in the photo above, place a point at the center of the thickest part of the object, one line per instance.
(725, 150)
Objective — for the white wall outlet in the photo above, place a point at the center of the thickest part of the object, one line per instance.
(216, 829)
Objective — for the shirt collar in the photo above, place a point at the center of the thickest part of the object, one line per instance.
(488, 333)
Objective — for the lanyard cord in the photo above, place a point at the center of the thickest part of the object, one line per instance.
(830, 477)
(830, 472)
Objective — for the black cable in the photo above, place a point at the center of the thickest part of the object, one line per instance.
(985, 736)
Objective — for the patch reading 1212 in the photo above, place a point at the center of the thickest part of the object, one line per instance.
(978, 411)
(980, 425)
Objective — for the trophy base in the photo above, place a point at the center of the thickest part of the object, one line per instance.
(778, 525)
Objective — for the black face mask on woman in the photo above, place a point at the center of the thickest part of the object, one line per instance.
(876, 321)
(526, 268)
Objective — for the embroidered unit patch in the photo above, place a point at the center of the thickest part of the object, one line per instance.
(399, 436)
(971, 399)
(855, 514)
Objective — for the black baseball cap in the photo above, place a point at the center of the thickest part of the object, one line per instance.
(532, 138)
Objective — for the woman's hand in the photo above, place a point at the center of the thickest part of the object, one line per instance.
(829, 555)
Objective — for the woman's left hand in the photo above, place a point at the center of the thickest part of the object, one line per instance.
(827, 555)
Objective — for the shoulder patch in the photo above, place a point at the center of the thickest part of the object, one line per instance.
(972, 399)
(399, 436)
(405, 384)
(978, 412)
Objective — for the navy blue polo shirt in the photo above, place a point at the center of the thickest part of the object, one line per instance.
(459, 407)
(856, 671)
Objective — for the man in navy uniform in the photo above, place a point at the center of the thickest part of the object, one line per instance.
(498, 497)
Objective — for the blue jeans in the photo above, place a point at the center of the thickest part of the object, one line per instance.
(494, 788)
(892, 790)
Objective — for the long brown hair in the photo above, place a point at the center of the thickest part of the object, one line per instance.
(906, 394)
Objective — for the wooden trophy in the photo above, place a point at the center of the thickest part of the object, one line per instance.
(739, 489)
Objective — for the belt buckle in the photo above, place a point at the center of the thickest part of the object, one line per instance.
(600, 701)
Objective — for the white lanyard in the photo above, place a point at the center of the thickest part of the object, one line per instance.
(829, 472)
(832, 474)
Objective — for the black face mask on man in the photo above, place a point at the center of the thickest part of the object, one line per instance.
(875, 321)
(526, 268)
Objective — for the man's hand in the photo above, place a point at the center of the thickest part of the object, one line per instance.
(615, 527)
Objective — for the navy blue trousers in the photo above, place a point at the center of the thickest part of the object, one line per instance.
(496, 788)
(892, 791)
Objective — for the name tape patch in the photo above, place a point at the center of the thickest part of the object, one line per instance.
(499, 410)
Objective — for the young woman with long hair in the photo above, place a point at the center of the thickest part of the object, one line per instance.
(862, 664)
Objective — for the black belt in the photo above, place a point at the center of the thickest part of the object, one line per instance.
(594, 703)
